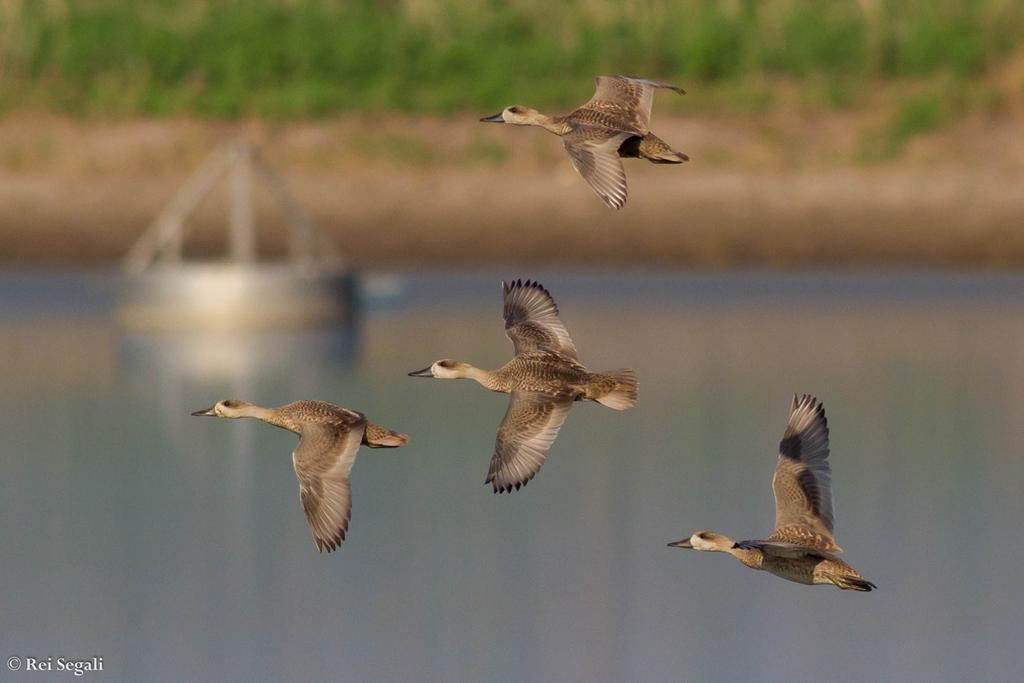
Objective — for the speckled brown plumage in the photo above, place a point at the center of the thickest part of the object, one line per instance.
(544, 378)
(621, 103)
(802, 547)
(614, 123)
(531, 319)
(803, 567)
(803, 479)
(329, 439)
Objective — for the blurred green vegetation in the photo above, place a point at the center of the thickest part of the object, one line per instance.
(311, 58)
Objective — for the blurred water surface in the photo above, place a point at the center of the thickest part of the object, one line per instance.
(176, 547)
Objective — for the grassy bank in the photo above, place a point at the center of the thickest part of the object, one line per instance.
(310, 58)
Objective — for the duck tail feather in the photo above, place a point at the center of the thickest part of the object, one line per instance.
(376, 436)
(624, 394)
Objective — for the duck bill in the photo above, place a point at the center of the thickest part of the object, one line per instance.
(425, 372)
(496, 118)
(209, 412)
(685, 543)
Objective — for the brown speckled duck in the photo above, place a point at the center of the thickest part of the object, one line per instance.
(544, 378)
(802, 547)
(614, 123)
(329, 438)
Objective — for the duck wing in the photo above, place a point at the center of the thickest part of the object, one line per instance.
(322, 461)
(781, 549)
(531, 320)
(594, 153)
(530, 426)
(624, 103)
(803, 480)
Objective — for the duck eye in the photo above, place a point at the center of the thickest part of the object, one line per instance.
(443, 363)
(515, 110)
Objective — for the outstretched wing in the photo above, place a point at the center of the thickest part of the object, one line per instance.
(530, 426)
(594, 153)
(322, 461)
(803, 480)
(627, 100)
(531, 320)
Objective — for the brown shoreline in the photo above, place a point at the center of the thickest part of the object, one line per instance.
(80, 193)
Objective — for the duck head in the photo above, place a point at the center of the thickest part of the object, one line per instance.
(516, 115)
(229, 407)
(444, 369)
(707, 541)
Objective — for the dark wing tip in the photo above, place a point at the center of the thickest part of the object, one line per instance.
(506, 488)
(791, 445)
(331, 544)
(810, 402)
(531, 284)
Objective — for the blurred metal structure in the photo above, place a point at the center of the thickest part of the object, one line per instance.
(163, 290)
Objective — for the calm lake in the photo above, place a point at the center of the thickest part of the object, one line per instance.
(176, 548)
